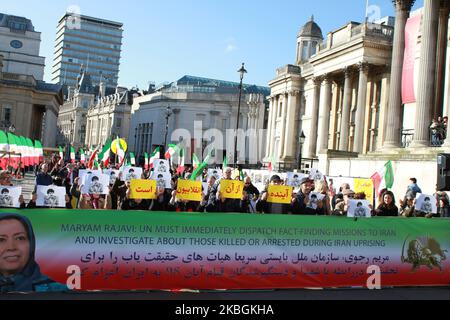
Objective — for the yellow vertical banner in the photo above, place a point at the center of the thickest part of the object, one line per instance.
(366, 186)
(189, 190)
(280, 194)
(143, 189)
(231, 189)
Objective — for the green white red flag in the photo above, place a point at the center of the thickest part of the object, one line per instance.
(155, 155)
(72, 154)
(383, 178)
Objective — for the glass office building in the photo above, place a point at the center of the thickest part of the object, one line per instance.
(90, 43)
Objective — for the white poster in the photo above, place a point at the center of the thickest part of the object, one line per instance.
(113, 175)
(96, 184)
(163, 180)
(314, 199)
(294, 178)
(51, 197)
(161, 166)
(9, 197)
(426, 203)
(83, 173)
(315, 175)
(217, 173)
(131, 173)
(359, 209)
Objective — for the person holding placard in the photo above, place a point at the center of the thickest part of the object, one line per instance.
(301, 202)
(266, 207)
(209, 198)
(224, 204)
(5, 181)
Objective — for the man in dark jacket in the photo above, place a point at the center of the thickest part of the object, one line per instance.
(302, 199)
(264, 206)
(43, 178)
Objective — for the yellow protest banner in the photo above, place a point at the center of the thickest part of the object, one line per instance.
(231, 189)
(189, 190)
(366, 186)
(143, 189)
(279, 194)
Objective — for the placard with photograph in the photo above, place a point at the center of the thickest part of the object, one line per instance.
(96, 184)
(83, 173)
(315, 175)
(131, 173)
(163, 180)
(217, 173)
(314, 199)
(358, 209)
(51, 197)
(9, 197)
(161, 166)
(426, 203)
(294, 178)
(113, 175)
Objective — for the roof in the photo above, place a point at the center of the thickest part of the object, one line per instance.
(93, 19)
(311, 29)
(219, 86)
(5, 20)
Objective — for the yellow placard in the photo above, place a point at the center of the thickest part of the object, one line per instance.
(189, 190)
(280, 194)
(143, 189)
(231, 189)
(366, 186)
(123, 144)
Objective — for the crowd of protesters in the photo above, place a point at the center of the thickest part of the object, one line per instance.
(55, 172)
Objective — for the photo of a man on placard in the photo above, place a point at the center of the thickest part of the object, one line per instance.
(131, 175)
(50, 200)
(5, 199)
(96, 186)
(360, 211)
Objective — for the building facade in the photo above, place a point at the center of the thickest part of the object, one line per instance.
(90, 43)
(29, 107)
(109, 117)
(347, 98)
(20, 46)
(189, 110)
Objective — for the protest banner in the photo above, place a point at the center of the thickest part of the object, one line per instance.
(189, 190)
(366, 186)
(162, 250)
(143, 189)
(280, 194)
(231, 189)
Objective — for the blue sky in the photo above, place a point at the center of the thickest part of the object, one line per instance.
(164, 40)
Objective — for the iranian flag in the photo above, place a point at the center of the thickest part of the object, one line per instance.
(82, 156)
(195, 161)
(146, 164)
(272, 164)
(132, 159)
(13, 159)
(181, 160)
(171, 151)
(24, 151)
(225, 162)
(92, 159)
(105, 155)
(199, 171)
(383, 178)
(120, 152)
(39, 151)
(72, 154)
(155, 155)
(61, 155)
(4, 148)
(32, 152)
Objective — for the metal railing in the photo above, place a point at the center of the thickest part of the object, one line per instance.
(436, 138)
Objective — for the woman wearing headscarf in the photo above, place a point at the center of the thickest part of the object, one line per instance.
(19, 271)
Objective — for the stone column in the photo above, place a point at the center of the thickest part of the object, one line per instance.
(275, 102)
(402, 10)
(441, 58)
(361, 108)
(289, 149)
(427, 69)
(269, 129)
(324, 117)
(314, 119)
(283, 126)
(346, 105)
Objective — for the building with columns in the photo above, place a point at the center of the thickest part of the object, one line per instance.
(346, 97)
(109, 117)
(196, 106)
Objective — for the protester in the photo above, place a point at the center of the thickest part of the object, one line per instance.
(265, 207)
(342, 206)
(407, 209)
(443, 208)
(5, 180)
(388, 207)
(251, 195)
(43, 178)
(223, 204)
(300, 203)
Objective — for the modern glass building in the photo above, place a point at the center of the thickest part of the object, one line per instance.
(90, 43)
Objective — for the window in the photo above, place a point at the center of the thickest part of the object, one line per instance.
(305, 50)
(6, 115)
(119, 122)
(314, 48)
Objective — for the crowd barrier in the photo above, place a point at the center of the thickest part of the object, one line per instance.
(127, 250)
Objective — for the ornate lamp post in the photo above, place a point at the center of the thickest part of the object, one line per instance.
(242, 72)
(301, 141)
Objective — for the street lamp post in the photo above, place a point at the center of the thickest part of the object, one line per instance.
(168, 114)
(301, 140)
(242, 72)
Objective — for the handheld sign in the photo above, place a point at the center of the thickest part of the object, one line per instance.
(280, 194)
(51, 197)
(231, 189)
(9, 197)
(189, 190)
(131, 173)
(96, 184)
(143, 189)
(358, 209)
(426, 203)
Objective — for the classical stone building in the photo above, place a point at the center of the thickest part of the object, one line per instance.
(196, 105)
(109, 117)
(29, 106)
(345, 94)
